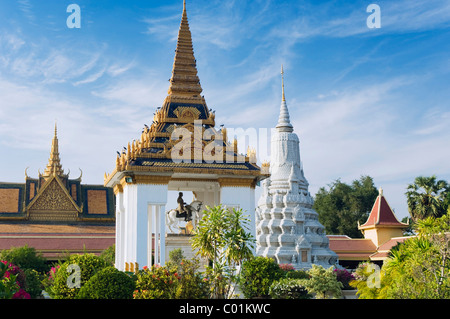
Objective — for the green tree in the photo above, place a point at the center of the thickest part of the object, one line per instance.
(427, 197)
(418, 268)
(341, 206)
(223, 238)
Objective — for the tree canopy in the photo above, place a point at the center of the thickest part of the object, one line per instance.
(341, 206)
(427, 197)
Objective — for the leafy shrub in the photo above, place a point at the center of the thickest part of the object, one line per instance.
(89, 264)
(297, 274)
(109, 255)
(8, 284)
(286, 267)
(12, 282)
(257, 275)
(288, 288)
(156, 283)
(322, 283)
(365, 274)
(33, 282)
(179, 280)
(108, 283)
(344, 277)
(191, 285)
(26, 258)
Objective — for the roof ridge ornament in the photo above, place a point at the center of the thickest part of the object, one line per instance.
(54, 166)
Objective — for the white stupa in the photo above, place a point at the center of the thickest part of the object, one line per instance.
(287, 227)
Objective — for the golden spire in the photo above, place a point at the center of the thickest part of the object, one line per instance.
(184, 81)
(54, 166)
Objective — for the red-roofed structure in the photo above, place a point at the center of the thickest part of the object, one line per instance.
(382, 225)
(382, 231)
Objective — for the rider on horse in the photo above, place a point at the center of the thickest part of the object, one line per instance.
(182, 211)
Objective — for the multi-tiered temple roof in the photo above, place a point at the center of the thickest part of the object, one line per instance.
(182, 136)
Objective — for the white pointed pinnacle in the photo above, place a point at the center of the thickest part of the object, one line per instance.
(284, 122)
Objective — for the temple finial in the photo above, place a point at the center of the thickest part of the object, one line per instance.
(282, 83)
(185, 81)
(54, 166)
(284, 122)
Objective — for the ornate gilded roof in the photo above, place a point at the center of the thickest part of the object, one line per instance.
(53, 197)
(183, 130)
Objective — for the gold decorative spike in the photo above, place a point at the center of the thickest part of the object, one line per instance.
(54, 166)
(235, 145)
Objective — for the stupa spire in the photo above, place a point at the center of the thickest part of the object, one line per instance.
(284, 123)
(184, 81)
(54, 166)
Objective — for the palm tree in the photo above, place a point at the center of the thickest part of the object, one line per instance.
(427, 197)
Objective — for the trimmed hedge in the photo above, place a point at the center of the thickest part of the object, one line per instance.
(108, 283)
(89, 264)
(257, 275)
(288, 288)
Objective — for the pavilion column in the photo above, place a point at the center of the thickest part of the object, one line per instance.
(140, 212)
(119, 258)
(241, 197)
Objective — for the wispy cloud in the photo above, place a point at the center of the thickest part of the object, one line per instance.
(27, 9)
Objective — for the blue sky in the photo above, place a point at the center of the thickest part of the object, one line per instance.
(363, 101)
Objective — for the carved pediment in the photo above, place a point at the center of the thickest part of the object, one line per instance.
(187, 113)
(53, 202)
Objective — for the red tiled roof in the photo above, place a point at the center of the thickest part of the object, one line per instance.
(352, 244)
(350, 248)
(56, 240)
(382, 214)
(392, 242)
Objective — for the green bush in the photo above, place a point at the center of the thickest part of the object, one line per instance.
(288, 288)
(109, 255)
(323, 283)
(257, 275)
(33, 282)
(26, 258)
(173, 281)
(191, 284)
(156, 283)
(108, 283)
(297, 274)
(63, 284)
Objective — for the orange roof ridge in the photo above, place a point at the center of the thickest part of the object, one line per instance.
(382, 214)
